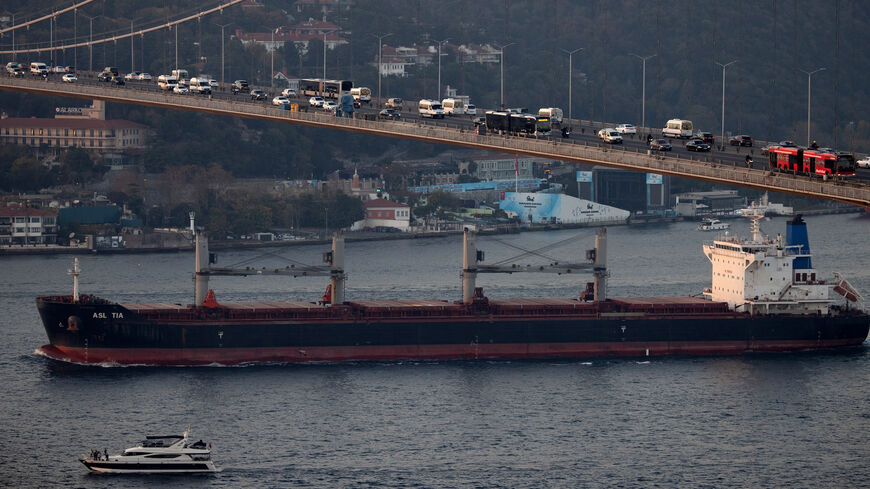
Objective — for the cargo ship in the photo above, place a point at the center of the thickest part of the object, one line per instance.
(765, 297)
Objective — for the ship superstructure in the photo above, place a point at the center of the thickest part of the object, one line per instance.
(772, 276)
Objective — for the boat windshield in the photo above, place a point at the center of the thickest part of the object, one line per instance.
(161, 441)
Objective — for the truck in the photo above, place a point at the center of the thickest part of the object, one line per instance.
(180, 74)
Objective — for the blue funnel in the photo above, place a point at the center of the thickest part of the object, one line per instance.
(796, 234)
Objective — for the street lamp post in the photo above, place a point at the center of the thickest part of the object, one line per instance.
(90, 40)
(722, 134)
(809, 97)
(643, 90)
(223, 41)
(501, 68)
(272, 73)
(132, 64)
(324, 55)
(380, 66)
(439, 66)
(570, 78)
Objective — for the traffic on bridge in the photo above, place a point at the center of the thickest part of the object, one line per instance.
(581, 141)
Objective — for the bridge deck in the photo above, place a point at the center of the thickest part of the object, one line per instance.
(854, 193)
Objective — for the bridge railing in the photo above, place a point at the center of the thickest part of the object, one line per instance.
(556, 149)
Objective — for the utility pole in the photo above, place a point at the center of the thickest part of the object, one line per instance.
(722, 134)
(570, 77)
(643, 91)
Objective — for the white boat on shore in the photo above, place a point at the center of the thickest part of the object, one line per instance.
(713, 225)
(172, 454)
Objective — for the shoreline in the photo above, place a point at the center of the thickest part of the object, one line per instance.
(21, 250)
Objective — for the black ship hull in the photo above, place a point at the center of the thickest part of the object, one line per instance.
(102, 332)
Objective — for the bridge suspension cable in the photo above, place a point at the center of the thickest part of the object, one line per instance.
(118, 37)
(44, 17)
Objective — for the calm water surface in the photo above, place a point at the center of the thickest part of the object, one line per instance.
(784, 420)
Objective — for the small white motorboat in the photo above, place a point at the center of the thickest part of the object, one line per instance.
(713, 225)
(172, 454)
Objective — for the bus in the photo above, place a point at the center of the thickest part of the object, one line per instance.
(800, 161)
(318, 87)
(362, 95)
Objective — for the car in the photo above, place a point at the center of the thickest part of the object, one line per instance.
(660, 145)
(184, 83)
(289, 92)
(697, 145)
(180, 89)
(132, 76)
(61, 69)
(240, 86)
(471, 109)
(105, 76)
(16, 72)
(864, 162)
(144, 77)
(316, 101)
(280, 100)
(117, 80)
(740, 140)
(258, 95)
(69, 78)
(329, 106)
(609, 135)
(707, 137)
(389, 114)
(626, 129)
(394, 103)
(479, 121)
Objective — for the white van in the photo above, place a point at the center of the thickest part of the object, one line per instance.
(166, 82)
(200, 85)
(361, 94)
(38, 69)
(678, 128)
(430, 108)
(554, 113)
(453, 106)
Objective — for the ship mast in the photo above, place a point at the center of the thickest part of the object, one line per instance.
(596, 263)
(75, 271)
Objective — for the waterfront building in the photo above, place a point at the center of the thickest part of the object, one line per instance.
(26, 225)
(382, 213)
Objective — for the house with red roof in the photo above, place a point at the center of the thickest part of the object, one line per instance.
(382, 213)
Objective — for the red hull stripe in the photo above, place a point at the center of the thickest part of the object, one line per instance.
(233, 356)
